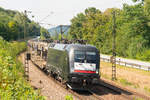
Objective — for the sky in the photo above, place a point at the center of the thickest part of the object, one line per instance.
(56, 12)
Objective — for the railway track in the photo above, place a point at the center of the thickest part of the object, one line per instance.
(100, 91)
(81, 96)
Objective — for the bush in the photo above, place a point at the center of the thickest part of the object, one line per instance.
(68, 97)
(145, 56)
(12, 84)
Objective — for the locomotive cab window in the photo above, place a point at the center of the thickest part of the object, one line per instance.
(79, 56)
(91, 57)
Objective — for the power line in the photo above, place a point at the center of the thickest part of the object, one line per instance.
(46, 17)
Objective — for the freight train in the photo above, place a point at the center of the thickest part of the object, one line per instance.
(75, 64)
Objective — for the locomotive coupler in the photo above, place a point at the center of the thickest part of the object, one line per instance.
(84, 82)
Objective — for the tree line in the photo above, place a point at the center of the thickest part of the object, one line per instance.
(12, 25)
(132, 29)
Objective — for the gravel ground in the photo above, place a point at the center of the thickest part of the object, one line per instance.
(53, 91)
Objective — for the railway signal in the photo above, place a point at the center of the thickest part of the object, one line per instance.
(27, 58)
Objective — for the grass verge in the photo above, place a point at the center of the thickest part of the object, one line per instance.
(123, 79)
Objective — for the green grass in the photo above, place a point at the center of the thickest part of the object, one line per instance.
(135, 98)
(121, 81)
(125, 82)
(68, 97)
(147, 89)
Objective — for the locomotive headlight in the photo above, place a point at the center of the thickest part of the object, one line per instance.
(96, 71)
(71, 70)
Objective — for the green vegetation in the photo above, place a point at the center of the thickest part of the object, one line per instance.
(132, 29)
(147, 89)
(12, 84)
(137, 98)
(68, 97)
(12, 25)
(44, 34)
(125, 82)
(122, 81)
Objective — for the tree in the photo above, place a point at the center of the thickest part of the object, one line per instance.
(12, 25)
(132, 31)
(138, 0)
(14, 31)
(4, 31)
(76, 26)
(44, 34)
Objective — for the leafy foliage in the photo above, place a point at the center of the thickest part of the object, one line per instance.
(132, 30)
(44, 34)
(12, 25)
(68, 97)
(12, 84)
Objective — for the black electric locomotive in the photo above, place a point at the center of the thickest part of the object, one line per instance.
(76, 64)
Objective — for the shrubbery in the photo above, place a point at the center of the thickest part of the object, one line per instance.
(12, 84)
(68, 97)
(12, 25)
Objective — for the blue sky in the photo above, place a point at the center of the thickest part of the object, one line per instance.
(59, 11)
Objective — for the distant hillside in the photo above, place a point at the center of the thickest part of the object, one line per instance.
(12, 25)
(57, 30)
(6, 15)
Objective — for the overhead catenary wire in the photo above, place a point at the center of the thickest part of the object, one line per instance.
(46, 17)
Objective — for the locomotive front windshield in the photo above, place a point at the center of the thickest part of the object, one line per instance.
(91, 57)
(85, 57)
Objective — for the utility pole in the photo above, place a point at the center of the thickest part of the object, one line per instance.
(25, 22)
(113, 58)
(61, 31)
(25, 30)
